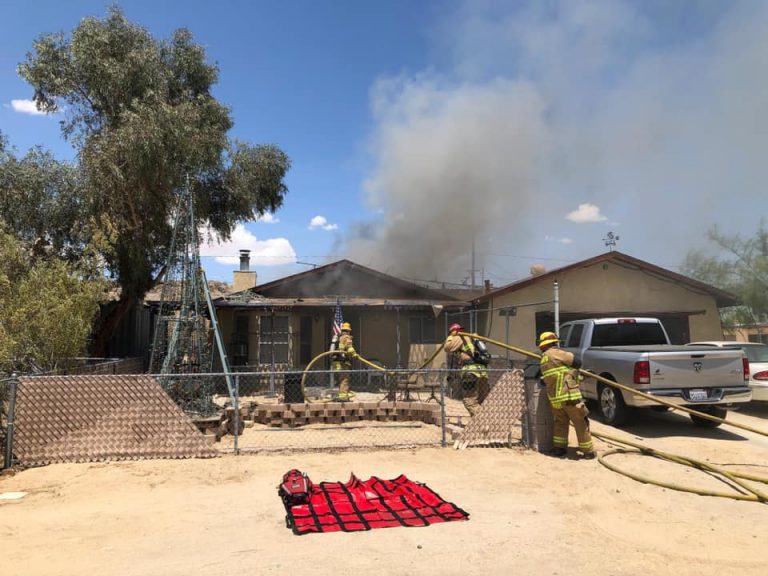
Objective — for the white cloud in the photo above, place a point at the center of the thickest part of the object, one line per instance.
(26, 107)
(563, 240)
(268, 218)
(586, 213)
(271, 252)
(321, 222)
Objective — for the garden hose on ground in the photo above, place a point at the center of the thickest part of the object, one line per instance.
(733, 479)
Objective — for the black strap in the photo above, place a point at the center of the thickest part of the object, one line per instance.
(357, 510)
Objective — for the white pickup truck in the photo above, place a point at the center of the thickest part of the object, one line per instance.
(636, 352)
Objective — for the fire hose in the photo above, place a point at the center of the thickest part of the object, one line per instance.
(364, 361)
(747, 492)
(736, 480)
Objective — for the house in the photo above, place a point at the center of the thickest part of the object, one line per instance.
(286, 323)
(611, 284)
(282, 325)
(748, 333)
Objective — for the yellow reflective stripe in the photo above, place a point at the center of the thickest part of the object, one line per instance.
(585, 444)
(555, 371)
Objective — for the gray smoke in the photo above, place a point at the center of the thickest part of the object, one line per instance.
(653, 112)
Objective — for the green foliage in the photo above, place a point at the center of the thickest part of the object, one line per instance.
(144, 122)
(47, 308)
(40, 202)
(740, 268)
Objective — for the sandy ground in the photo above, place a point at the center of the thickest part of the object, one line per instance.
(530, 514)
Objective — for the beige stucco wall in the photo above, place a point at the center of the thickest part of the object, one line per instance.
(604, 288)
(757, 333)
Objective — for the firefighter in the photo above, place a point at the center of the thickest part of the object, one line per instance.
(342, 362)
(474, 376)
(559, 370)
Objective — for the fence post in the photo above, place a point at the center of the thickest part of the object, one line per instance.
(442, 411)
(526, 419)
(236, 402)
(11, 417)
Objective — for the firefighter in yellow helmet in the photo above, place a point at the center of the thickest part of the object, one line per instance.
(342, 362)
(474, 376)
(559, 370)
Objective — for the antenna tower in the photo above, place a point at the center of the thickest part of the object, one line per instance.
(185, 318)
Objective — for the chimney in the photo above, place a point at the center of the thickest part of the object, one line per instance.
(487, 286)
(244, 279)
(245, 260)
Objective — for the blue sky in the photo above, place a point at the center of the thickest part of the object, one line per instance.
(417, 129)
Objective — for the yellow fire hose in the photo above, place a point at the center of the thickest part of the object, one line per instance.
(747, 492)
(364, 361)
(743, 491)
(627, 388)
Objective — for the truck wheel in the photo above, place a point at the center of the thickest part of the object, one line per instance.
(613, 409)
(712, 411)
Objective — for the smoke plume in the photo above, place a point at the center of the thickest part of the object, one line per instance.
(651, 114)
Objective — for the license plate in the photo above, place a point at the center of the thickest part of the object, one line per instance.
(697, 394)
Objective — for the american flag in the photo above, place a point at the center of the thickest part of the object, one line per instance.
(338, 320)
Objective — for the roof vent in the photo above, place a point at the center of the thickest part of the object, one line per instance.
(538, 269)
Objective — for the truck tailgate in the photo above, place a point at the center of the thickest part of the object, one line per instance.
(696, 369)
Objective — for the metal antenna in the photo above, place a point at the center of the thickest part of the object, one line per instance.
(610, 241)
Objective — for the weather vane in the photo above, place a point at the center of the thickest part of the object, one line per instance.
(610, 241)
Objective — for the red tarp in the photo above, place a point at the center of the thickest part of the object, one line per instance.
(373, 503)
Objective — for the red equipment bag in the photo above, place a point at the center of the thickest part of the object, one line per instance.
(295, 488)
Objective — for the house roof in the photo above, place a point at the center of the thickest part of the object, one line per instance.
(256, 301)
(352, 283)
(217, 289)
(722, 298)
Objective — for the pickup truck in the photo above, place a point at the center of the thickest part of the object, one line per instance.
(636, 352)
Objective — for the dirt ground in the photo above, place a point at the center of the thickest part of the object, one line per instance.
(529, 514)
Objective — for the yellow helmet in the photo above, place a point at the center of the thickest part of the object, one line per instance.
(346, 326)
(547, 338)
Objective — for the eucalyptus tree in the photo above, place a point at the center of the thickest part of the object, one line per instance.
(739, 266)
(41, 203)
(140, 113)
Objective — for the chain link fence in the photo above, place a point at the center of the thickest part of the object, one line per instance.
(269, 411)
(300, 411)
(7, 400)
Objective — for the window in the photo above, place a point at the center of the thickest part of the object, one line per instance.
(239, 346)
(423, 330)
(757, 353)
(640, 334)
(759, 338)
(274, 340)
(305, 340)
(574, 338)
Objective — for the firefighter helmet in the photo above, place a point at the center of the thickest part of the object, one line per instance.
(346, 326)
(547, 338)
(455, 327)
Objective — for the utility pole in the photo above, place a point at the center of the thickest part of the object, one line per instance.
(473, 263)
